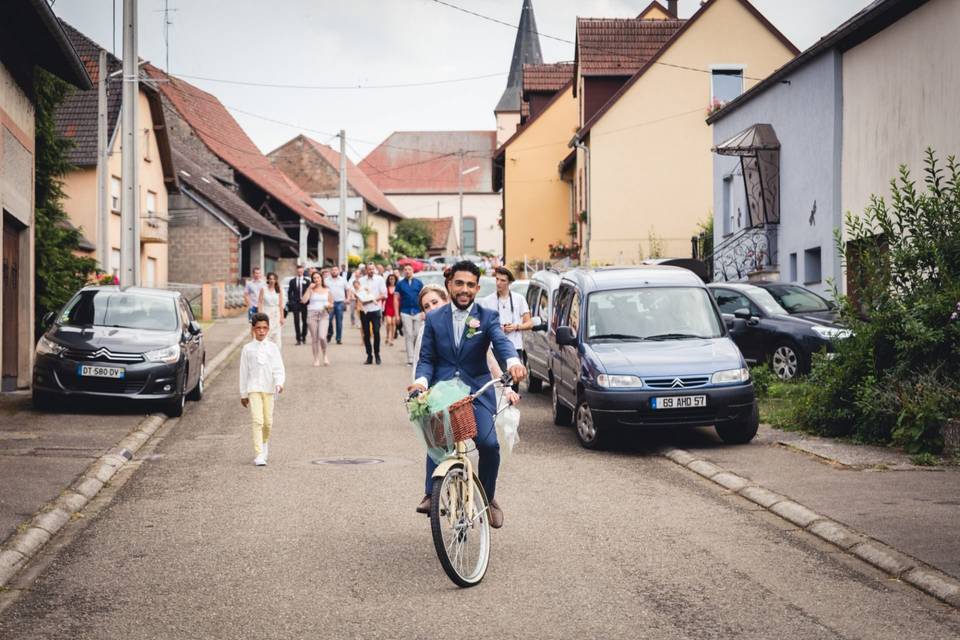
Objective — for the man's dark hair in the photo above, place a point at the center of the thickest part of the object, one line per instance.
(465, 265)
(503, 271)
(259, 317)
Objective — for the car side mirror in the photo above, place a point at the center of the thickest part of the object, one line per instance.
(566, 337)
(539, 324)
(48, 318)
(743, 314)
(194, 328)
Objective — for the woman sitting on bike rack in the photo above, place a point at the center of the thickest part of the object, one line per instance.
(455, 342)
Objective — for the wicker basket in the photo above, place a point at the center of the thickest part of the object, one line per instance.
(462, 421)
(441, 439)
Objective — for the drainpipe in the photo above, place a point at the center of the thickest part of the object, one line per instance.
(578, 144)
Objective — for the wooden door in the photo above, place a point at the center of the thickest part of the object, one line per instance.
(11, 277)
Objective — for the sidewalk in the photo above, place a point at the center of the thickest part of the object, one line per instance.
(42, 453)
(873, 490)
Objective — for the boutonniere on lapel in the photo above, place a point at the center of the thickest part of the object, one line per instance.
(473, 326)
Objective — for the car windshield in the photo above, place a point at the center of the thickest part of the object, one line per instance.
(797, 299)
(651, 313)
(766, 301)
(112, 308)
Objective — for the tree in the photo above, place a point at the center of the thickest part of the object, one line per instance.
(412, 238)
(59, 271)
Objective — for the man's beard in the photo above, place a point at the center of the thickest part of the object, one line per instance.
(462, 307)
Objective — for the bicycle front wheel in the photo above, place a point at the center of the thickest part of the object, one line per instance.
(459, 519)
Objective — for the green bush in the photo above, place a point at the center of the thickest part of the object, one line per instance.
(897, 378)
(762, 376)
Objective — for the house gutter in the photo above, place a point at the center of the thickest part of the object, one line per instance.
(576, 143)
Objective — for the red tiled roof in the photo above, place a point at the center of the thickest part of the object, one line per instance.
(620, 46)
(704, 7)
(223, 136)
(546, 78)
(440, 228)
(356, 179)
(427, 162)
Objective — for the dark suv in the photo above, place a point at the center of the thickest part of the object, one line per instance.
(131, 343)
(646, 347)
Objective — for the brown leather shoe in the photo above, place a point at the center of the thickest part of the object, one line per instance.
(496, 515)
(424, 506)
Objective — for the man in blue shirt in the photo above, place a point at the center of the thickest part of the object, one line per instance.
(411, 318)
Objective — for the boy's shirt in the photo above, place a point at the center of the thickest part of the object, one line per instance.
(261, 368)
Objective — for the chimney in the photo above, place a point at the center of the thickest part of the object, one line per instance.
(672, 7)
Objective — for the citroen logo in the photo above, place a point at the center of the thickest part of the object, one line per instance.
(677, 383)
(99, 353)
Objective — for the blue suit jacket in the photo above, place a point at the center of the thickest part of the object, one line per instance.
(440, 359)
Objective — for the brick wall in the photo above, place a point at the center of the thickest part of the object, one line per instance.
(201, 249)
(308, 169)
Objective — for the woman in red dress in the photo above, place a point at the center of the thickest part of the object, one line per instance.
(391, 308)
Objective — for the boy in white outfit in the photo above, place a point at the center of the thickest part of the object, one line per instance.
(261, 376)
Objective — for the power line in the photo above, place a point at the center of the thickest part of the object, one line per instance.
(346, 87)
(641, 59)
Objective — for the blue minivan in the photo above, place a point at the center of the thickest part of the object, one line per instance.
(645, 347)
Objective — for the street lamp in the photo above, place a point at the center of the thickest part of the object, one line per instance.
(460, 173)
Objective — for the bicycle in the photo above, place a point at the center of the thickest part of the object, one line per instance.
(459, 509)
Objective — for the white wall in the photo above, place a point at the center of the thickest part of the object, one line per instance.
(485, 207)
(901, 89)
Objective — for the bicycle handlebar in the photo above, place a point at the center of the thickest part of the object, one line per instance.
(505, 380)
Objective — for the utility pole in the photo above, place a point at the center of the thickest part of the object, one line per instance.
(343, 198)
(103, 170)
(460, 192)
(130, 209)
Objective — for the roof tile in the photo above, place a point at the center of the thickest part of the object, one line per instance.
(620, 46)
(357, 179)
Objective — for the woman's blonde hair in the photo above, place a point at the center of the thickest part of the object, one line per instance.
(427, 288)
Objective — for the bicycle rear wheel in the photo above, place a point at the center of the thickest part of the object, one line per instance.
(461, 527)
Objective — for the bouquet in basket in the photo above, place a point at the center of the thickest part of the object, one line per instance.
(439, 417)
(418, 407)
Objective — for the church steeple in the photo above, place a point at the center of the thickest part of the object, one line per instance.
(526, 50)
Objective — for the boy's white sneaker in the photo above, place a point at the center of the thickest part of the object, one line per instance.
(260, 460)
(266, 451)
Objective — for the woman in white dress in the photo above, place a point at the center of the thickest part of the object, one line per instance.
(271, 303)
(319, 301)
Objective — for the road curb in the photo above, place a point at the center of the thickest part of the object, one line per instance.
(17, 550)
(895, 563)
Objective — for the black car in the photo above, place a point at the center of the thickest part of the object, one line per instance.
(768, 333)
(130, 343)
(800, 301)
(645, 347)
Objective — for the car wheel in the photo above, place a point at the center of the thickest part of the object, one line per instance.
(561, 414)
(534, 384)
(589, 432)
(197, 392)
(785, 361)
(740, 431)
(175, 407)
(40, 400)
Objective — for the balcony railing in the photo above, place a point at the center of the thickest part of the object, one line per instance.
(749, 251)
(153, 229)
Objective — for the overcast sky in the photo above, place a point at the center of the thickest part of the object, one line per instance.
(351, 42)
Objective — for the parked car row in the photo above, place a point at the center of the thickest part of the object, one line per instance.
(654, 346)
(132, 343)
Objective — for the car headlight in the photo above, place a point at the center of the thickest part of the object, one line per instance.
(731, 376)
(613, 381)
(831, 333)
(167, 354)
(47, 347)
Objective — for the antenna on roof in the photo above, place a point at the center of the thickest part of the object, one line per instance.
(166, 31)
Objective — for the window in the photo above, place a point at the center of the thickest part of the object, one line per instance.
(469, 235)
(792, 271)
(115, 261)
(561, 305)
(533, 295)
(730, 301)
(115, 191)
(628, 314)
(543, 305)
(727, 183)
(811, 266)
(151, 204)
(574, 320)
(112, 308)
(726, 83)
(146, 145)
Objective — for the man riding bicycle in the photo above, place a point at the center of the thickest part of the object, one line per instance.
(456, 338)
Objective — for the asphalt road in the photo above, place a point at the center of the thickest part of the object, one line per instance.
(199, 543)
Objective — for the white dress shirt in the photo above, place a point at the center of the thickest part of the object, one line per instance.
(261, 368)
(337, 286)
(512, 309)
(376, 288)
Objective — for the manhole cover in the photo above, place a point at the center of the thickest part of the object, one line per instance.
(348, 461)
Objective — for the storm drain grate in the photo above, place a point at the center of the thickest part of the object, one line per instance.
(348, 461)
